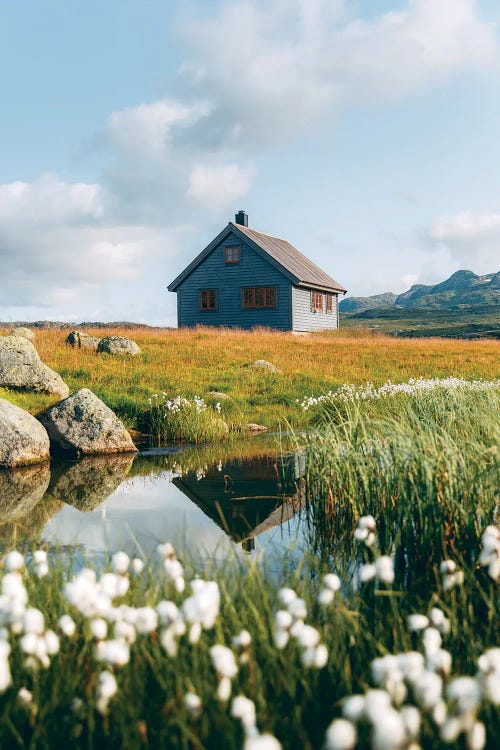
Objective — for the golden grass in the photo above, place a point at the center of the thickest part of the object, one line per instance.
(193, 361)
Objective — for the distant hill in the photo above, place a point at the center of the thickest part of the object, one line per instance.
(463, 289)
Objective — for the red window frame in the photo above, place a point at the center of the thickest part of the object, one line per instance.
(317, 301)
(208, 300)
(233, 255)
(329, 303)
(258, 297)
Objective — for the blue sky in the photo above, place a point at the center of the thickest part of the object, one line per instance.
(365, 133)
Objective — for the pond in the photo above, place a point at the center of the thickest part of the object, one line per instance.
(210, 501)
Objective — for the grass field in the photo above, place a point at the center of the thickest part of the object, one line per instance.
(192, 362)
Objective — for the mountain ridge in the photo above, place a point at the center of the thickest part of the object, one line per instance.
(463, 288)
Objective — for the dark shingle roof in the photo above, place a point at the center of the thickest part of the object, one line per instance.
(307, 272)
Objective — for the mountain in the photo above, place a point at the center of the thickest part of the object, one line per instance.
(463, 289)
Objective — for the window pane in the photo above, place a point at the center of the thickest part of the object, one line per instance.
(259, 297)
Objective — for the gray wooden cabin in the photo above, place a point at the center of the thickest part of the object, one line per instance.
(245, 278)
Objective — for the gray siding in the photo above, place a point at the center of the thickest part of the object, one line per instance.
(228, 280)
(304, 319)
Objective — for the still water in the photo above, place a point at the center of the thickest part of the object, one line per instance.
(208, 502)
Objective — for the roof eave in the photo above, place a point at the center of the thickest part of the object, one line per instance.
(322, 287)
(174, 285)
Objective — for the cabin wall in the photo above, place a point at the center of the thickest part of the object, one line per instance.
(304, 319)
(252, 271)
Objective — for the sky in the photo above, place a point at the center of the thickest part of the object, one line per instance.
(363, 132)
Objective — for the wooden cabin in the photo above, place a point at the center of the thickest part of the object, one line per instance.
(245, 278)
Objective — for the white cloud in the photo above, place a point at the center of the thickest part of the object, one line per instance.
(471, 239)
(220, 185)
(274, 68)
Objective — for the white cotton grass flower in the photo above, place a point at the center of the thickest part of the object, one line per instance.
(298, 609)
(173, 568)
(489, 675)
(242, 643)
(439, 620)
(201, 609)
(331, 585)
(193, 704)
(451, 576)
(340, 735)
(286, 596)
(243, 709)
(33, 621)
(137, 565)
(67, 625)
(14, 561)
(146, 620)
(367, 572)
(418, 622)
(40, 563)
(99, 628)
(388, 731)
(225, 665)
(385, 569)
(366, 531)
(51, 642)
(106, 689)
(263, 741)
(120, 563)
(353, 708)
(490, 551)
(115, 652)
(24, 697)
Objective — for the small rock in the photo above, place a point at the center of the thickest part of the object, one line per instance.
(82, 424)
(81, 340)
(118, 345)
(219, 396)
(22, 368)
(23, 440)
(264, 365)
(252, 427)
(24, 332)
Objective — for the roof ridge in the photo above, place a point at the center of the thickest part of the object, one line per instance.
(257, 231)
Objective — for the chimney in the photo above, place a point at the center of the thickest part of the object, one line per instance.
(241, 218)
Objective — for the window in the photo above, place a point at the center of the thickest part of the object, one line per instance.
(233, 255)
(208, 299)
(317, 301)
(329, 303)
(259, 297)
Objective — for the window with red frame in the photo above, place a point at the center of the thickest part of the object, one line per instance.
(329, 303)
(208, 299)
(255, 297)
(317, 301)
(233, 255)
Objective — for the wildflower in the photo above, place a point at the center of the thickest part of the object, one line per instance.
(40, 560)
(340, 735)
(106, 689)
(439, 621)
(51, 642)
(193, 704)
(24, 697)
(388, 731)
(242, 642)
(137, 565)
(286, 596)
(202, 608)
(14, 561)
(428, 688)
(366, 531)
(385, 569)
(476, 736)
(367, 573)
(115, 652)
(353, 708)
(243, 708)
(261, 742)
(298, 609)
(120, 562)
(226, 668)
(490, 551)
(146, 620)
(99, 628)
(172, 566)
(418, 622)
(451, 576)
(67, 625)
(33, 621)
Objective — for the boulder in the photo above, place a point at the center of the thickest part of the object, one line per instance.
(83, 425)
(24, 332)
(218, 395)
(118, 345)
(81, 340)
(252, 427)
(87, 483)
(262, 364)
(22, 368)
(23, 440)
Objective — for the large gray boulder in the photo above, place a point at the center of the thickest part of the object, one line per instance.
(83, 425)
(86, 483)
(118, 345)
(23, 440)
(81, 340)
(26, 333)
(22, 368)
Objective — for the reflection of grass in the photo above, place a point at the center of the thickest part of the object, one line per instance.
(192, 362)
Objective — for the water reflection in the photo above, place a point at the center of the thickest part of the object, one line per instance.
(204, 502)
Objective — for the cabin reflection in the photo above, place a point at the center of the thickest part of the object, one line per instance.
(246, 497)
